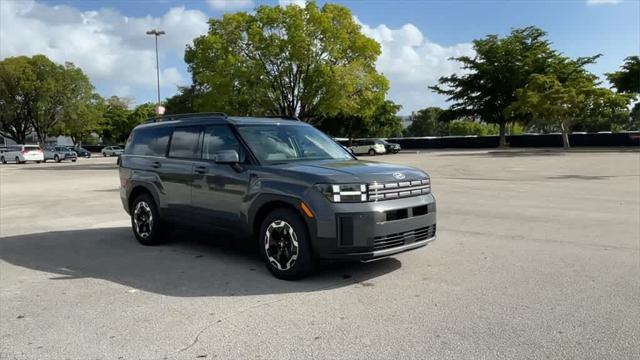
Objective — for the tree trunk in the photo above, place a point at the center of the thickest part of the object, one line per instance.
(503, 135)
(565, 135)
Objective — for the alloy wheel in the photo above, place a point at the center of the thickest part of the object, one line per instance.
(143, 219)
(281, 245)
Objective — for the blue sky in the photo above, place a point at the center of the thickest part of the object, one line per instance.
(106, 38)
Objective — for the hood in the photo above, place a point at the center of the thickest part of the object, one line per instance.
(358, 171)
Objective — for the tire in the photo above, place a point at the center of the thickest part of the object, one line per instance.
(371, 152)
(155, 233)
(3, 160)
(104, 154)
(38, 161)
(280, 231)
(18, 160)
(56, 158)
(73, 160)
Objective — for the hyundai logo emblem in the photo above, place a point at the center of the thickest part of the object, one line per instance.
(398, 175)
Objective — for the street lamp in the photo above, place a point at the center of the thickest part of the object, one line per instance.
(156, 33)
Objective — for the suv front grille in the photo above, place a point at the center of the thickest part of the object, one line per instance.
(394, 190)
(399, 239)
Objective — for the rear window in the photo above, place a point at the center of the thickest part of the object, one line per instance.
(31, 148)
(149, 142)
(184, 143)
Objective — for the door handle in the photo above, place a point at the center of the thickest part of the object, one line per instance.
(156, 165)
(200, 170)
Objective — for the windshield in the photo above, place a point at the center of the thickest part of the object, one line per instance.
(285, 143)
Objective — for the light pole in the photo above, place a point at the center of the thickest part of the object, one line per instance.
(156, 33)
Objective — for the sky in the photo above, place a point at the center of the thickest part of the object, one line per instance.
(107, 38)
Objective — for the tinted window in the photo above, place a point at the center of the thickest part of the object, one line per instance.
(184, 143)
(218, 138)
(151, 142)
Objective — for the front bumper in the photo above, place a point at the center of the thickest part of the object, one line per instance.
(366, 231)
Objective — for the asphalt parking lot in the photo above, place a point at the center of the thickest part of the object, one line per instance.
(538, 256)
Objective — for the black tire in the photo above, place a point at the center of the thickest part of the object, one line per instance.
(56, 158)
(38, 161)
(104, 154)
(18, 160)
(297, 232)
(371, 152)
(3, 160)
(73, 160)
(156, 234)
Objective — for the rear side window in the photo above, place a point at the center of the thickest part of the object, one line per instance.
(184, 143)
(150, 142)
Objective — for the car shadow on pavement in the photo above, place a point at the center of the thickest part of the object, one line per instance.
(72, 167)
(192, 265)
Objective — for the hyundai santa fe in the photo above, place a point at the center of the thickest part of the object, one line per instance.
(281, 182)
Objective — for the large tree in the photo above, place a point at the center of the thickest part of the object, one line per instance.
(502, 65)
(567, 95)
(38, 94)
(428, 122)
(307, 61)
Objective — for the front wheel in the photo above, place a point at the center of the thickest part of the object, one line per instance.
(372, 152)
(56, 158)
(104, 154)
(147, 226)
(18, 160)
(284, 245)
(3, 160)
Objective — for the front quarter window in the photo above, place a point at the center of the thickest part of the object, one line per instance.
(285, 143)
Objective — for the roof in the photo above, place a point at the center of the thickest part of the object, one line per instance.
(216, 118)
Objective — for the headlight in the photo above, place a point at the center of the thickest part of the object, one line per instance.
(343, 193)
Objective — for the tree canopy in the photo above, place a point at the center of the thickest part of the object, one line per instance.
(491, 78)
(627, 80)
(309, 62)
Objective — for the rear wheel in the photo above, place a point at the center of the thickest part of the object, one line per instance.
(372, 152)
(56, 158)
(73, 160)
(284, 245)
(18, 160)
(3, 160)
(104, 154)
(145, 221)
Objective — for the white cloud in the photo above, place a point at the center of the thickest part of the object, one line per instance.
(226, 5)
(112, 49)
(284, 3)
(603, 2)
(412, 62)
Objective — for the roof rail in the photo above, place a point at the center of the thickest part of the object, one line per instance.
(184, 116)
(282, 117)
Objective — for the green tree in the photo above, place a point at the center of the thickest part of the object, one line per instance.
(184, 101)
(39, 94)
(382, 123)
(500, 67)
(83, 119)
(307, 61)
(566, 96)
(116, 126)
(428, 122)
(627, 80)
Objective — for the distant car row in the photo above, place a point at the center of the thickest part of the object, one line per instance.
(371, 146)
(20, 154)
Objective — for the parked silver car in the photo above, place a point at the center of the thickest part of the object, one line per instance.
(59, 153)
(112, 151)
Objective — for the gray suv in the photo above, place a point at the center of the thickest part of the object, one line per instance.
(282, 182)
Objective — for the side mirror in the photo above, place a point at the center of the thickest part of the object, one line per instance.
(227, 157)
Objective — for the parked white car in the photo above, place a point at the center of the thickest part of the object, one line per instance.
(112, 151)
(367, 146)
(20, 154)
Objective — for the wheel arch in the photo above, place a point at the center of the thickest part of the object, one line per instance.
(138, 190)
(267, 204)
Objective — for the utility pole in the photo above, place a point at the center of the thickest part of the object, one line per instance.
(156, 33)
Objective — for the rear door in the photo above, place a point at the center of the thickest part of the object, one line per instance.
(219, 190)
(177, 171)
